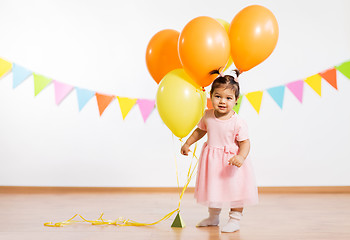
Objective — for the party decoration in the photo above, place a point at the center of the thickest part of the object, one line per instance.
(19, 74)
(226, 25)
(40, 82)
(178, 221)
(126, 105)
(315, 83)
(180, 102)
(330, 75)
(344, 68)
(277, 93)
(61, 91)
(84, 96)
(238, 104)
(162, 54)
(253, 36)
(255, 99)
(5, 67)
(209, 104)
(297, 88)
(146, 107)
(203, 47)
(103, 101)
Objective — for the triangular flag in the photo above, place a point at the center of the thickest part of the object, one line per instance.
(238, 105)
(126, 104)
(5, 67)
(277, 93)
(84, 96)
(314, 82)
(103, 101)
(178, 222)
(330, 76)
(209, 104)
(61, 91)
(255, 99)
(146, 106)
(40, 82)
(297, 88)
(344, 68)
(19, 74)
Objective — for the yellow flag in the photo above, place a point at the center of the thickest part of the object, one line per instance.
(5, 67)
(255, 99)
(315, 83)
(126, 104)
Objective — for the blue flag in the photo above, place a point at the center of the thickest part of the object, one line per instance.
(19, 74)
(277, 93)
(84, 96)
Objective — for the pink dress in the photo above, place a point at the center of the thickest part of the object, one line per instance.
(219, 184)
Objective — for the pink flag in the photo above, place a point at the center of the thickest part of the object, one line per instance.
(297, 88)
(61, 91)
(146, 106)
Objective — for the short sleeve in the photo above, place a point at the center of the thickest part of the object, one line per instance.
(242, 133)
(202, 123)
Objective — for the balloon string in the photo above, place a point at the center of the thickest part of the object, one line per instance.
(177, 172)
(127, 222)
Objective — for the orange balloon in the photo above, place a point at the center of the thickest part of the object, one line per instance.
(253, 36)
(162, 54)
(226, 25)
(203, 46)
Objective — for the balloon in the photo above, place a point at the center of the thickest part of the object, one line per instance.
(162, 55)
(203, 46)
(180, 102)
(226, 25)
(253, 36)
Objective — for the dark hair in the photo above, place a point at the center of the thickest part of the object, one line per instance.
(227, 80)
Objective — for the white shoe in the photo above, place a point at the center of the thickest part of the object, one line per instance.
(233, 223)
(212, 220)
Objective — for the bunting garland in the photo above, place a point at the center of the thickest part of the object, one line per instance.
(146, 106)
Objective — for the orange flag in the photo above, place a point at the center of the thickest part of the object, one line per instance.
(209, 104)
(330, 76)
(103, 101)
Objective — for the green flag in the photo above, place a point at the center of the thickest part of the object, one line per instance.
(40, 82)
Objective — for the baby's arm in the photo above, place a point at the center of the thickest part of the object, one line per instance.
(195, 136)
(244, 147)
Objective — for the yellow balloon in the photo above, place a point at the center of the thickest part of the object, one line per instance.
(226, 25)
(180, 102)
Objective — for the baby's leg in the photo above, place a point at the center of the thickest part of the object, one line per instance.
(212, 220)
(233, 223)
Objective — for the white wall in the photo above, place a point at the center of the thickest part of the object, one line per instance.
(100, 45)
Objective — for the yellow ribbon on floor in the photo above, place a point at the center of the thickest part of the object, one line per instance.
(127, 222)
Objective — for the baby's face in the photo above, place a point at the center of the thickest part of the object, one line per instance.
(223, 100)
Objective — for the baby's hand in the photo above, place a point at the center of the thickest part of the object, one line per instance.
(237, 161)
(185, 149)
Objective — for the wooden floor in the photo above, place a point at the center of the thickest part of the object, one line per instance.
(278, 216)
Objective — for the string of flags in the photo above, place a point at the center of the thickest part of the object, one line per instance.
(62, 90)
(296, 87)
(146, 106)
